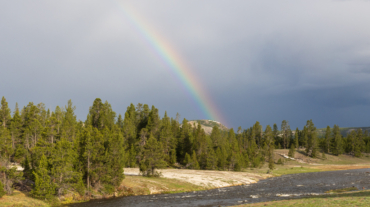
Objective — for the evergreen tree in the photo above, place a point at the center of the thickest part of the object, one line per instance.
(153, 157)
(280, 162)
(270, 145)
(216, 136)
(312, 142)
(358, 144)
(323, 155)
(336, 141)
(211, 159)
(296, 138)
(195, 164)
(291, 151)
(6, 149)
(128, 126)
(167, 139)
(5, 116)
(327, 139)
(114, 160)
(234, 159)
(8, 177)
(222, 158)
(69, 123)
(187, 160)
(62, 170)
(153, 121)
(285, 130)
(44, 188)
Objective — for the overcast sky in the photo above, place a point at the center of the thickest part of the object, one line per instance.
(259, 60)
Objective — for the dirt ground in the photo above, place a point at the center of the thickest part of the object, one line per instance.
(207, 178)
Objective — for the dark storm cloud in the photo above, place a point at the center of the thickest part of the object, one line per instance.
(262, 60)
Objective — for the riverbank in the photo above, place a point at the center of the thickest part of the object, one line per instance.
(182, 180)
(21, 199)
(208, 179)
(283, 187)
(359, 198)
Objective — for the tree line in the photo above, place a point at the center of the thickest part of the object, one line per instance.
(355, 143)
(61, 154)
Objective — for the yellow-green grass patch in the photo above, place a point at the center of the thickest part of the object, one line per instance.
(21, 199)
(361, 198)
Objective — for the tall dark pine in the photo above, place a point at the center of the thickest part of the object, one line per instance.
(153, 157)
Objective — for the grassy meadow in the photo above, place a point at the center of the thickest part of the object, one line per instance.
(21, 199)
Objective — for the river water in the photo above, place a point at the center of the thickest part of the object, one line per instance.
(277, 188)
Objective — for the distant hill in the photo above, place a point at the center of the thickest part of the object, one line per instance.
(207, 125)
(343, 130)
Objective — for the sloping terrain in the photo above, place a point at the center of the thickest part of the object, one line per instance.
(207, 178)
(207, 125)
(343, 130)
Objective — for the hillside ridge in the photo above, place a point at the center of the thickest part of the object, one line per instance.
(207, 125)
(343, 130)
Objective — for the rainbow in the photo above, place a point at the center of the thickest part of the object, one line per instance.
(177, 64)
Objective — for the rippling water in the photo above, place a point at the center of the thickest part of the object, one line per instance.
(277, 188)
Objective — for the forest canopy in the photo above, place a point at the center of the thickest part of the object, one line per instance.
(60, 154)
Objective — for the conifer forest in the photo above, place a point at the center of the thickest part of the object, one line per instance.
(60, 154)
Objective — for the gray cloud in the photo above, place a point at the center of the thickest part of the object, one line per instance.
(262, 60)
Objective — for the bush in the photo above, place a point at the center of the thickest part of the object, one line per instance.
(2, 191)
(323, 156)
(280, 162)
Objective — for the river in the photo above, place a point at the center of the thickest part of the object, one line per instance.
(276, 188)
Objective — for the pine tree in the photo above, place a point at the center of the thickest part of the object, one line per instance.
(195, 164)
(337, 142)
(291, 151)
(6, 149)
(153, 122)
(323, 155)
(312, 142)
(128, 127)
(359, 143)
(187, 160)
(62, 170)
(211, 159)
(152, 157)
(327, 139)
(5, 116)
(285, 130)
(216, 136)
(296, 138)
(69, 122)
(114, 160)
(270, 145)
(280, 162)
(132, 157)
(43, 185)
(234, 156)
(87, 153)
(167, 139)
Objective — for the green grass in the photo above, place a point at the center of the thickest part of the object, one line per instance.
(21, 199)
(361, 198)
(283, 170)
(342, 190)
(293, 170)
(343, 159)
